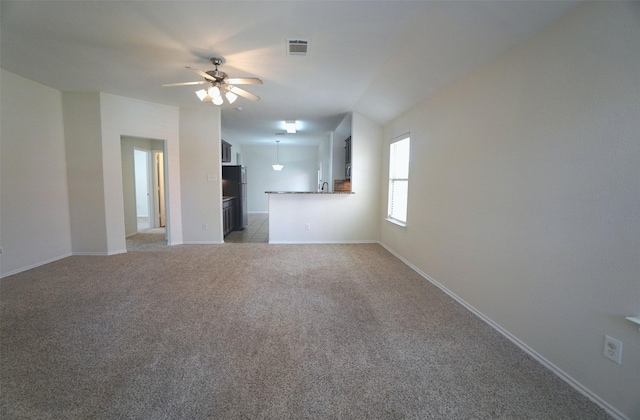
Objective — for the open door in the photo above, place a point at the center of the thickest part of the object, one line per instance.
(158, 188)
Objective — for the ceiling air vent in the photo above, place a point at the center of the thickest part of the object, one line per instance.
(297, 46)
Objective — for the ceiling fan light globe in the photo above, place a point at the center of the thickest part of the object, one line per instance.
(214, 92)
(231, 97)
(202, 94)
(217, 100)
(277, 167)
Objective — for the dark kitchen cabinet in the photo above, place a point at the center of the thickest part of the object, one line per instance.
(228, 215)
(347, 158)
(226, 151)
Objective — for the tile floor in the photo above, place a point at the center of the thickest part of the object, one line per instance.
(257, 230)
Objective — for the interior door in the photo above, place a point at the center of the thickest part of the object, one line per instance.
(158, 187)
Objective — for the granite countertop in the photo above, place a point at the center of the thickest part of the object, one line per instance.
(310, 192)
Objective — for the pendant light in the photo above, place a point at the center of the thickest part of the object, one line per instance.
(277, 166)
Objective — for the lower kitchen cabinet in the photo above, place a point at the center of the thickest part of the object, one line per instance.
(228, 215)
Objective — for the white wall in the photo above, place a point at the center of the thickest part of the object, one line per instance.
(34, 198)
(524, 195)
(131, 117)
(338, 218)
(73, 193)
(200, 154)
(141, 169)
(300, 172)
(325, 162)
(83, 145)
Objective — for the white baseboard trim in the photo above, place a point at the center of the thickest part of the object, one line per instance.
(364, 241)
(119, 251)
(202, 243)
(530, 351)
(38, 264)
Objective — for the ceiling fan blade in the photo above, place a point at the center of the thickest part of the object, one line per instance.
(202, 82)
(244, 93)
(244, 81)
(201, 73)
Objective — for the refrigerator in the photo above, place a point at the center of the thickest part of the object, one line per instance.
(234, 184)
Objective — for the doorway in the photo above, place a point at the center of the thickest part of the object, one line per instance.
(144, 193)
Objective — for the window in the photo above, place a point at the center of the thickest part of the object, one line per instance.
(398, 180)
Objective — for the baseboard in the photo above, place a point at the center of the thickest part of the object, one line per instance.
(364, 241)
(120, 251)
(515, 340)
(201, 243)
(38, 264)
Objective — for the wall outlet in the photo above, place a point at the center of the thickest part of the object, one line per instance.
(612, 349)
(205, 226)
(307, 226)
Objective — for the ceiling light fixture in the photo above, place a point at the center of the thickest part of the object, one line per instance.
(221, 86)
(231, 97)
(277, 166)
(290, 126)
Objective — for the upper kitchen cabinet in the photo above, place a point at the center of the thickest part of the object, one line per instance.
(226, 151)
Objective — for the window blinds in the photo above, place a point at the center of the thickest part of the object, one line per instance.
(398, 179)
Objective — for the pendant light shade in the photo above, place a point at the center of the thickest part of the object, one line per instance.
(277, 166)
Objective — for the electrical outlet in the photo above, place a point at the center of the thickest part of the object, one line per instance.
(612, 349)
(307, 226)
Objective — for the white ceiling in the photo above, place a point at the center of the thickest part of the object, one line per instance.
(378, 58)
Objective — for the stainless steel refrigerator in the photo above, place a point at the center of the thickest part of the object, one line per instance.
(234, 184)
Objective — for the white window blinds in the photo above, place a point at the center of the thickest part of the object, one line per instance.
(398, 180)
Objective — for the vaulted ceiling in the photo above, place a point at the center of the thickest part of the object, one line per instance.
(378, 58)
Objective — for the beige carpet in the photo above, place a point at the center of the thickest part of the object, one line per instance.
(149, 240)
(258, 331)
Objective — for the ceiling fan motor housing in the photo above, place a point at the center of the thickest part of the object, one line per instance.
(218, 75)
(217, 61)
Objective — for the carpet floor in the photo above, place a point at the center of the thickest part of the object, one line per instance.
(258, 331)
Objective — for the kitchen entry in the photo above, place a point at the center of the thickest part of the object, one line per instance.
(256, 231)
(238, 225)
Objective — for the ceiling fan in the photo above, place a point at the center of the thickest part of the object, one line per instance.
(220, 85)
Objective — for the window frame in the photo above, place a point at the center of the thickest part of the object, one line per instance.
(394, 177)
